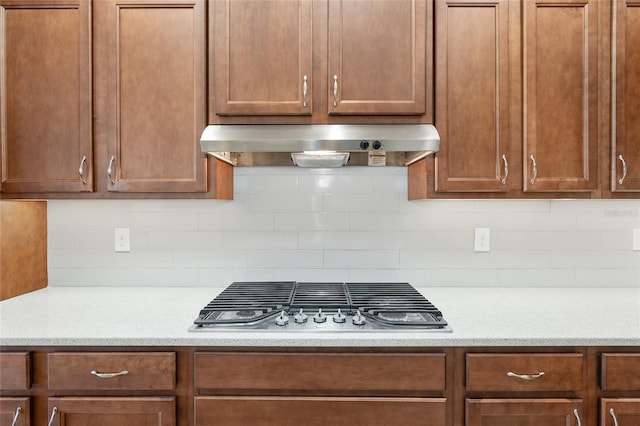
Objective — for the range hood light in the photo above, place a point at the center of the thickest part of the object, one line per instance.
(320, 159)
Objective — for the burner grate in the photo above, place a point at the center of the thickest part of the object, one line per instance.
(325, 295)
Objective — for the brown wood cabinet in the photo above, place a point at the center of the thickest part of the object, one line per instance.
(524, 412)
(344, 57)
(45, 96)
(150, 67)
(625, 102)
(620, 389)
(15, 379)
(15, 411)
(125, 411)
(472, 97)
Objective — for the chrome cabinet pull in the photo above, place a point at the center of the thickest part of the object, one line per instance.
(304, 91)
(526, 376)
(110, 170)
(17, 413)
(615, 419)
(535, 170)
(81, 169)
(335, 90)
(577, 415)
(109, 375)
(53, 414)
(506, 170)
(624, 169)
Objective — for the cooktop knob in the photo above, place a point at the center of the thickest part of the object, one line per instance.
(364, 145)
(339, 317)
(300, 317)
(282, 319)
(319, 317)
(358, 319)
(377, 145)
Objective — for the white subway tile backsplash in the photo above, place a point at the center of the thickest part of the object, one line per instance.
(349, 224)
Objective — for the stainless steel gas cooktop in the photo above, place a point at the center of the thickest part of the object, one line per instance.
(319, 306)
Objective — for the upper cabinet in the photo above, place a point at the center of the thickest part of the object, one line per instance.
(625, 99)
(560, 79)
(45, 96)
(150, 72)
(322, 58)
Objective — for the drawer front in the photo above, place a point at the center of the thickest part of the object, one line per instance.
(112, 370)
(620, 372)
(15, 371)
(525, 372)
(320, 372)
(293, 411)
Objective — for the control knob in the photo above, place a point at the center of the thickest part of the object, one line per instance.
(319, 317)
(339, 317)
(300, 317)
(364, 145)
(358, 319)
(282, 319)
(377, 144)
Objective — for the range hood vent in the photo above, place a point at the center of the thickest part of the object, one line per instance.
(320, 145)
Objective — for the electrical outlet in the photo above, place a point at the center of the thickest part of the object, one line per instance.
(122, 240)
(482, 239)
(636, 239)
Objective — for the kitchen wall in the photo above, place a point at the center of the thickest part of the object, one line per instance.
(345, 224)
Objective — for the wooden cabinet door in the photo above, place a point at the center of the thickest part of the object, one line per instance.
(153, 101)
(121, 411)
(560, 95)
(619, 411)
(344, 411)
(45, 96)
(260, 58)
(15, 411)
(626, 96)
(524, 412)
(472, 96)
(377, 57)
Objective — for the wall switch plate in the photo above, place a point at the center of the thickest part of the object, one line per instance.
(482, 240)
(122, 240)
(636, 239)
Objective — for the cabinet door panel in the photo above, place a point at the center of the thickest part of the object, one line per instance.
(290, 411)
(45, 96)
(126, 411)
(561, 105)
(156, 95)
(377, 52)
(472, 96)
(626, 92)
(624, 411)
(523, 412)
(15, 408)
(261, 53)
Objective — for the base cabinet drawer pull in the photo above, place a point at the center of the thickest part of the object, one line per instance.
(526, 376)
(53, 415)
(14, 422)
(577, 415)
(613, 415)
(109, 375)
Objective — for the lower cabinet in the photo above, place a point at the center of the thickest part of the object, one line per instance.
(619, 411)
(293, 411)
(524, 412)
(619, 389)
(121, 411)
(15, 411)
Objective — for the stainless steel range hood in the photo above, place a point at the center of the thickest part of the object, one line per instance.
(320, 145)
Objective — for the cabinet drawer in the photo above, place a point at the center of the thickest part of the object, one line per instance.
(620, 372)
(15, 371)
(320, 372)
(112, 370)
(524, 372)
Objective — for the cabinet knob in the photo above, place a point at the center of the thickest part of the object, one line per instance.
(110, 170)
(577, 416)
(335, 90)
(81, 169)
(613, 415)
(506, 170)
(19, 410)
(526, 376)
(53, 415)
(109, 375)
(535, 170)
(624, 169)
(304, 91)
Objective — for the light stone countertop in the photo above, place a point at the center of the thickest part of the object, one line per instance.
(161, 316)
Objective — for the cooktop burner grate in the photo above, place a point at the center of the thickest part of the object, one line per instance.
(316, 295)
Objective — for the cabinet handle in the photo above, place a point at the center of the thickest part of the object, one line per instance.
(624, 169)
(577, 415)
(304, 91)
(53, 414)
(81, 169)
(19, 410)
(109, 375)
(615, 419)
(335, 90)
(506, 170)
(526, 376)
(535, 170)
(110, 170)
